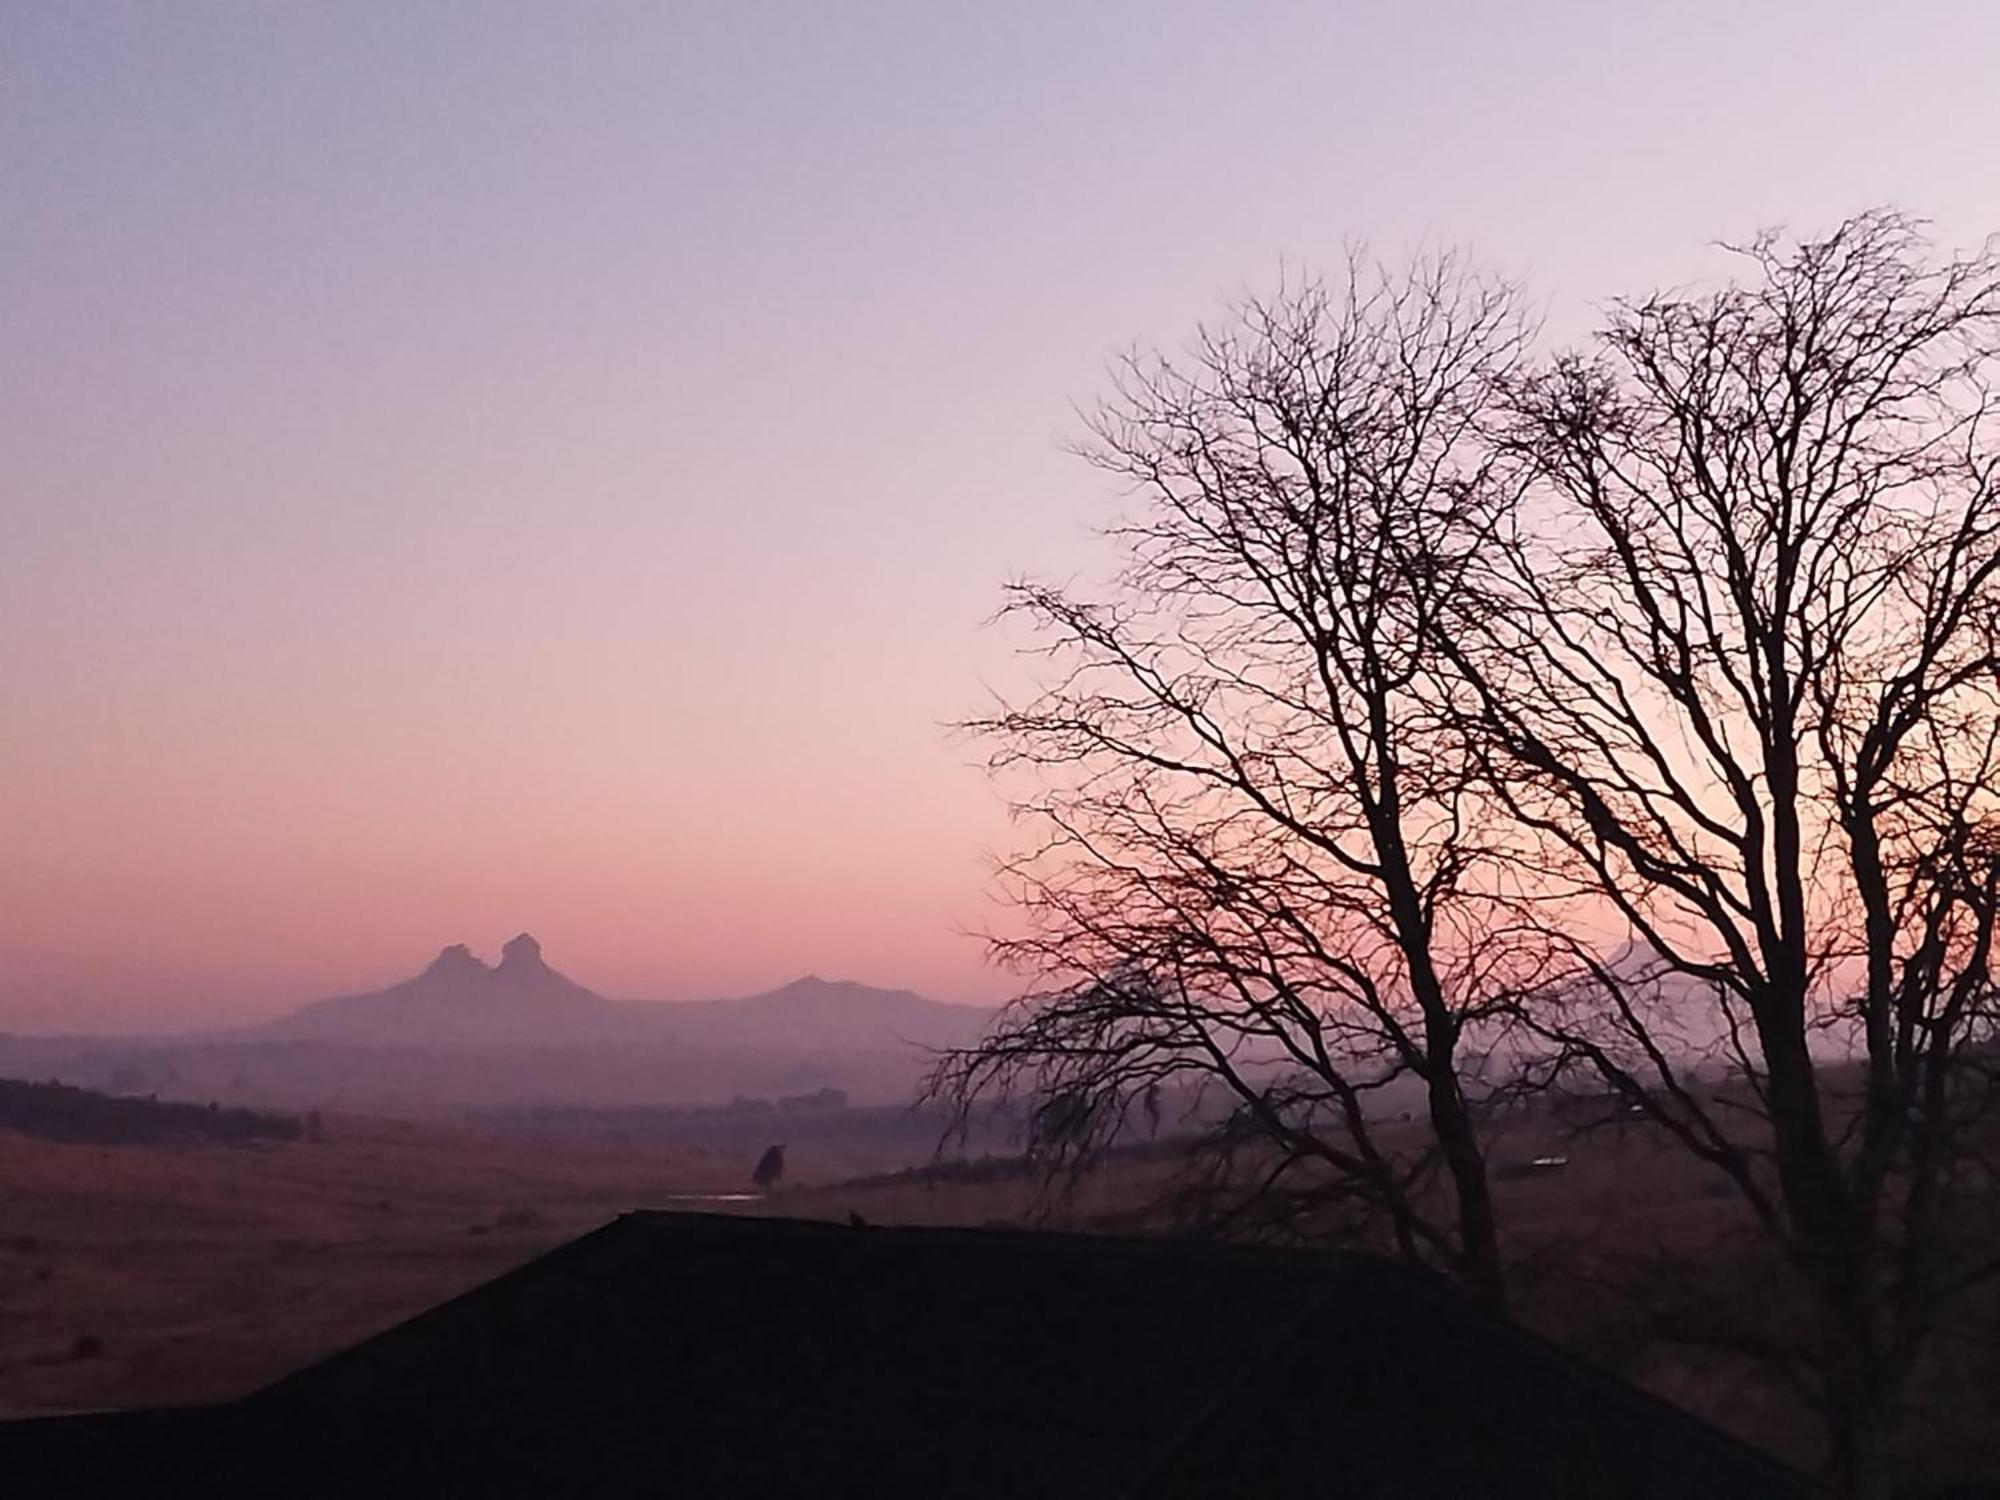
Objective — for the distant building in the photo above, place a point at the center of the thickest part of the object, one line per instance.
(697, 1355)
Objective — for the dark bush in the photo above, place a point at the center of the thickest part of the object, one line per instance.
(62, 1112)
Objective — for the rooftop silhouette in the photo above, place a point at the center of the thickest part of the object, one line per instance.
(720, 1356)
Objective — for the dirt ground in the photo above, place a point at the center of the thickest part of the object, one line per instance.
(170, 1274)
(165, 1274)
(148, 1275)
(203, 1271)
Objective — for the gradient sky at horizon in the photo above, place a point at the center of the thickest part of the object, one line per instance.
(487, 466)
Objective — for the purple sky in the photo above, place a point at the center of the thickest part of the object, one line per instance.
(473, 467)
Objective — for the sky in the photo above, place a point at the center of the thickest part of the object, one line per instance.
(474, 467)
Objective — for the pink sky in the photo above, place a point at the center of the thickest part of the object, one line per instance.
(472, 469)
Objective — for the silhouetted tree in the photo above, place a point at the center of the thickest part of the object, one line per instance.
(1261, 869)
(1065, 1124)
(64, 1112)
(770, 1168)
(1735, 666)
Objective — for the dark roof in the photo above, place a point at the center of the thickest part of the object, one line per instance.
(717, 1356)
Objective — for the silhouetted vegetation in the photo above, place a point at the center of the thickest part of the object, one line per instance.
(61, 1112)
(1731, 667)
(1260, 871)
(1618, 721)
(770, 1169)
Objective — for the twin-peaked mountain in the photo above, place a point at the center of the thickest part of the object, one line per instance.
(461, 1002)
(465, 1034)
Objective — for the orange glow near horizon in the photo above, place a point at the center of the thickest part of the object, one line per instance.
(547, 470)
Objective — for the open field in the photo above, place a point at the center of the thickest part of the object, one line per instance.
(162, 1274)
(205, 1270)
(187, 1272)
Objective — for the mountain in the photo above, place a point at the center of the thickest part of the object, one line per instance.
(825, 1014)
(465, 1034)
(460, 1001)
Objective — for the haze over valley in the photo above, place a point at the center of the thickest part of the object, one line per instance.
(467, 1034)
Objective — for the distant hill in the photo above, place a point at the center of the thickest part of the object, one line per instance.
(460, 1001)
(466, 1034)
(819, 1013)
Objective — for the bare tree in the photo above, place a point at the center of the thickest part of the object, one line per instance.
(1258, 872)
(1735, 660)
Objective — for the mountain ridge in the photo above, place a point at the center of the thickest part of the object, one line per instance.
(459, 1000)
(463, 1034)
